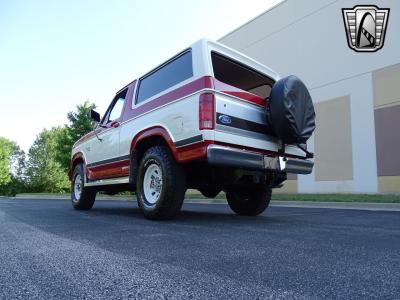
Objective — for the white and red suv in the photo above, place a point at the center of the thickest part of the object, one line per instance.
(211, 119)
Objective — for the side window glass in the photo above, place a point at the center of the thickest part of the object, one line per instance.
(115, 110)
(172, 73)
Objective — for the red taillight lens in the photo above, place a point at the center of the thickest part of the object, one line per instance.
(206, 111)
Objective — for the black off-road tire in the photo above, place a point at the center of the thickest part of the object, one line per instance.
(87, 195)
(249, 201)
(173, 187)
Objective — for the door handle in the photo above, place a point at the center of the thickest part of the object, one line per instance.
(114, 124)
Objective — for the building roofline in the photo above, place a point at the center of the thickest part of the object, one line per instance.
(251, 20)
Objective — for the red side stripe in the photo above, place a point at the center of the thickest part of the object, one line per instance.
(244, 95)
(187, 89)
(110, 170)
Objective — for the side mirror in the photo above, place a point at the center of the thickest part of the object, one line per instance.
(94, 115)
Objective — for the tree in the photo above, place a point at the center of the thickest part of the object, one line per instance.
(12, 168)
(6, 148)
(48, 158)
(79, 125)
(44, 172)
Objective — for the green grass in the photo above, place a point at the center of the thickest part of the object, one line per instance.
(376, 198)
(371, 198)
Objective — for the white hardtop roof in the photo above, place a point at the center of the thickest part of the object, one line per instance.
(205, 46)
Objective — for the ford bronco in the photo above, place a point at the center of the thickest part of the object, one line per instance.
(210, 119)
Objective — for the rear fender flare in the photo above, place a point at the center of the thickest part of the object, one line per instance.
(154, 132)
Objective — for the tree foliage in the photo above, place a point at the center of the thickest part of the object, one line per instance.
(79, 125)
(12, 168)
(47, 165)
(6, 148)
(44, 172)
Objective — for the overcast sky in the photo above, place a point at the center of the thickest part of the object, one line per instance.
(56, 54)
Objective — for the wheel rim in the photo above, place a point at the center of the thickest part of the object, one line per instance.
(152, 183)
(78, 186)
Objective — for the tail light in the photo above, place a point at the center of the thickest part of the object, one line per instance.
(206, 111)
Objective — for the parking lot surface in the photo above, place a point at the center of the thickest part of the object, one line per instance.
(50, 251)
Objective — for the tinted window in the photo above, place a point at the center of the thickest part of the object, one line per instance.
(168, 75)
(240, 76)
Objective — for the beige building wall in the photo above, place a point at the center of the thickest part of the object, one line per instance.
(333, 150)
(356, 95)
(386, 84)
(290, 187)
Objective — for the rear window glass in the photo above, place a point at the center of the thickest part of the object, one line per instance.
(240, 76)
(175, 71)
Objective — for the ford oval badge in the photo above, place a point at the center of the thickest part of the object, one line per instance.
(224, 119)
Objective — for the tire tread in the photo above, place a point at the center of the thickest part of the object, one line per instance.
(173, 194)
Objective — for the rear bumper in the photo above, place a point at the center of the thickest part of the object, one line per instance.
(225, 156)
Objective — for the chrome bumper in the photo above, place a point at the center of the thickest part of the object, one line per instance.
(225, 156)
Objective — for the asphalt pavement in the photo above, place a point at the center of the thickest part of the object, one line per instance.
(50, 251)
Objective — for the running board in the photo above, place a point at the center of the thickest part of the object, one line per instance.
(119, 180)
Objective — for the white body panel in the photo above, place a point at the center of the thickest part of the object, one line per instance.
(179, 118)
(104, 147)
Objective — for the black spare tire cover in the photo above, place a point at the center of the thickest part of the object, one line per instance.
(290, 111)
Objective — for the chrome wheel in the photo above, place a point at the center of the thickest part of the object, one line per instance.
(152, 183)
(78, 187)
